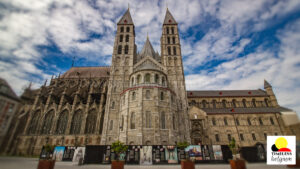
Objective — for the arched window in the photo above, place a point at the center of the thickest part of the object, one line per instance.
(214, 121)
(174, 41)
(161, 95)
(204, 103)
(271, 120)
(168, 30)
(127, 38)
(253, 102)
(172, 30)
(115, 89)
(147, 94)
(122, 29)
(132, 81)
(47, 123)
(249, 121)
(225, 121)
(111, 125)
(133, 96)
(148, 119)
(163, 81)
(267, 102)
(119, 49)
(91, 122)
(237, 121)
(234, 103)
(163, 120)
(174, 124)
(76, 122)
(121, 38)
(214, 103)
(147, 78)
(132, 121)
(32, 129)
(169, 50)
(113, 105)
(156, 78)
(174, 51)
(244, 103)
(138, 79)
(260, 121)
(126, 49)
(224, 103)
(127, 29)
(62, 122)
(168, 40)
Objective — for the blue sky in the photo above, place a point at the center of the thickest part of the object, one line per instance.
(226, 44)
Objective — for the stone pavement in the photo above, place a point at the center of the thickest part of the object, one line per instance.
(31, 163)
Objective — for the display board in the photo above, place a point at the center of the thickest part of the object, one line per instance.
(58, 153)
(94, 154)
(171, 154)
(194, 152)
(133, 155)
(69, 153)
(78, 154)
(146, 155)
(159, 155)
(217, 152)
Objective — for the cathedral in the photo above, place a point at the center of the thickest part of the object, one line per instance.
(141, 99)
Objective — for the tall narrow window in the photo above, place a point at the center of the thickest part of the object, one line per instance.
(214, 104)
(234, 103)
(119, 49)
(242, 137)
(148, 119)
(253, 136)
(174, 124)
(174, 41)
(126, 49)
(169, 50)
(122, 29)
(174, 51)
(237, 121)
(47, 123)
(32, 129)
(214, 121)
(224, 103)
(138, 79)
(163, 120)
(147, 94)
(244, 103)
(156, 78)
(271, 120)
(133, 95)
(267, 102)
(253, 102)
(260, 121)
(172, 30)
(127, 38)
(229, 137)
(249, 121)
(147, 78)
(161, 95)
(132, 81)
(122, 123)
(76, 122)
(225, 121)
(113, 105)
(217, 137)
(265, 135)
(163, 81)
(167, 30)
(204, 103)
(111, 125)
(132, 121)
(168, 40)
(121, 38)
(91, 122)
(62, 122)
(127, 29)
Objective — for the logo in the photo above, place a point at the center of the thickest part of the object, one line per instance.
(281, 150)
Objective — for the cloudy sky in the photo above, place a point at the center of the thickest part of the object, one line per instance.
(226, 44)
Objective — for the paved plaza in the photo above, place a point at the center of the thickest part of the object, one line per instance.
(31, 163)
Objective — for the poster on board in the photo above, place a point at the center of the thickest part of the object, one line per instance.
(146, 155)
(69, 153)
(217, 152)
(194, 152)
(58, 153)
(171, 154)
(79, 153)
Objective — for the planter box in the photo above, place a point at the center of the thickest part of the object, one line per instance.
(117, 165)
(46, 164)
(237, 164)
(185, 164)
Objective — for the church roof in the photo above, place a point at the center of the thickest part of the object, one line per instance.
(169, 19)
(126, 18)
(86, 72)
(6, 90)
(147, 50)
(226, 93)
(245, 110)
(266, 84)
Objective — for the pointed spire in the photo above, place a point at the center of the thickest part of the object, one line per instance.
(147, 49)
(126, 18)
(266, 84)
(169, 19)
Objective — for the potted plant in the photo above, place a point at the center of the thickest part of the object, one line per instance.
(186, 163)
(118, 147)
(236, 162)
(47, 162)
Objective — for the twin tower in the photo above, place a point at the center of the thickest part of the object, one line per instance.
(146, 99)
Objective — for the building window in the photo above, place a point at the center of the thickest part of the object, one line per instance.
(111, 125)
(147, 78)
(174, 51)
(156, 78)
(167, 30)
(161, 95)
(127, 38)
(224, 103)
(163, 120)
(204, 103)
(119, 49)
(249, 121)
(260, 121)
(138, 79)
(214, 121)
(163, 81)
(244, 103)
(168, 40)
(122, 122)
(253, 102)
(271, 120)
(132, 121)
(122, 29)
(169, 50)
(229, 137)
(91, 122)
(133, 95)
(214, 104)
(62, 122)
(265, 135)
(148, 119)
(234, 103)
(132, 81)
(237, 121)
(172, 30)
(127, 29)
(225, 121)
(217, 137)
(275, 134)
(174, 41)
(147, 94)
(242, 137)
(47, 123)
(126, 49)
(34, 123)
(121, 38)
(253, 136)
(267, 102)
(113, 105)
(76, 122)
(174, 124)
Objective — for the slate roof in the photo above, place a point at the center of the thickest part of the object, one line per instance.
(245, 110)
(226, 93)
(6, 90)
(169, 19)
(86, 72)
(126, 18)
(266, 84)
(148, 51)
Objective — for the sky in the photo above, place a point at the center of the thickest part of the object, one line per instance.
(226, 44)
